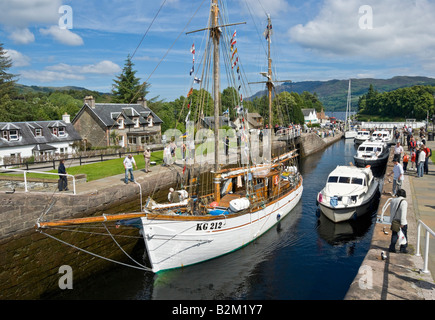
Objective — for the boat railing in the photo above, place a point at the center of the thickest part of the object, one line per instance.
(25, 172)
(429, 232)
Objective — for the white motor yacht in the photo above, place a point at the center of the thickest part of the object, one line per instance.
(348, 193)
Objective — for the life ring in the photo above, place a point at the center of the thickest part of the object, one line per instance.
(276, 179)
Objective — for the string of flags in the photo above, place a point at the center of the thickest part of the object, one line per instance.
(268, 32)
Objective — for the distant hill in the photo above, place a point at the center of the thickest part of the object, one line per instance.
(23, 88)
(333, 93)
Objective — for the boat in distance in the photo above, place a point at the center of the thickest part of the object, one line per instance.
(348, 193)
(362, 136)
(372, 153)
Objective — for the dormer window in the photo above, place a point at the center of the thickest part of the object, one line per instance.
(61, 132)
(150, 121)
(54, 131)
(11, 135)
(38, 132)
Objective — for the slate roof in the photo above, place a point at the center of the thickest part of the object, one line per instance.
(306, 112)
(27, 137)
(108, 113)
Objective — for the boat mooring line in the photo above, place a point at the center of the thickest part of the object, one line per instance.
(94, 254)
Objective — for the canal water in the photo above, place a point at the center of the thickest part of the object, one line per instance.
(304, 257)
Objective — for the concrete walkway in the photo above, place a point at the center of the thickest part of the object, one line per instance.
(399, 276)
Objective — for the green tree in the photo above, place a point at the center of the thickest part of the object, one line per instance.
(127, 87)
(7, 82)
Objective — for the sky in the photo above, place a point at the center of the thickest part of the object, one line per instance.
(85, 43)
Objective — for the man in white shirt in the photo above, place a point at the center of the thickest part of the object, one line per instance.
(398, 150)
(398, 175)
(398, 211)
(128, 165)
(420, 162)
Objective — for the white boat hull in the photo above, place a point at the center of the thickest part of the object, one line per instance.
(178, 243)
(342, 212)
(350, 134)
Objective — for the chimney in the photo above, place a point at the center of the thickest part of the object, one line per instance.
(142, 102)
(90, 101)
(66, 118)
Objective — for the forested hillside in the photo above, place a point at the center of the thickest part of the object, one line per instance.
(333, 93)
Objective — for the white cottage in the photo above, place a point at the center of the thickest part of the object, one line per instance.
(310, 116)
(20, 140)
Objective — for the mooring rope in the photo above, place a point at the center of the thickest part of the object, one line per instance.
(94, 254)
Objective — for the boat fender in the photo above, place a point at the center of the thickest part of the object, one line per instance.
(276, 179)
(320, 197)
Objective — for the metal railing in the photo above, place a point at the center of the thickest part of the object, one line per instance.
(41, 172)
(426, 249)
(420, 224)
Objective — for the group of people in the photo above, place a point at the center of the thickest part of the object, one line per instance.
(418, 154)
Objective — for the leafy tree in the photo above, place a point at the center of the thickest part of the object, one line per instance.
(7, 82)
(127, 87)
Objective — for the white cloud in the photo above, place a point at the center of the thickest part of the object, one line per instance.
(64, 36)
(22, 13)
(18, 59)
(22, 36)
(17, 15)
(400, 28)
(63, 71)
(49, 76)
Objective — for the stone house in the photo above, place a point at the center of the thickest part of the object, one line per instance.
(108, 124)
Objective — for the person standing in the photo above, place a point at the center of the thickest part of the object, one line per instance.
(420, 163)
(128, 165)
(398, 211)
(398, 150)
(63, 180)
(413, 156)
(147, 156)
(398, 176)
(405, 161)
(428, 152)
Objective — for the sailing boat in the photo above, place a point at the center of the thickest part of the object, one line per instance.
(348, 132)
(201, 227)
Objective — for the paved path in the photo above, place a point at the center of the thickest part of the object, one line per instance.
(399, 276)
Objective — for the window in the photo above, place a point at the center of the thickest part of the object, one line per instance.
(5, 135)
(344, 180)
(38, 132)
(54, 131)
(61, 132)
(150, 121)
(332, 179)
(131, 140)
(13, 134)
(359, 181)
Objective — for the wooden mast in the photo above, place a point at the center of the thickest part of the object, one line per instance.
(215, 34)
(269, 75)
